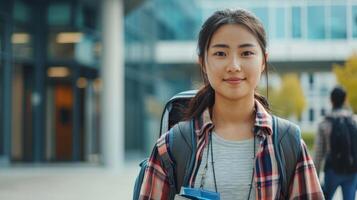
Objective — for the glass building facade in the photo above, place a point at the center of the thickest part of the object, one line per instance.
(179, 22)
(49, 71)
(50, 53)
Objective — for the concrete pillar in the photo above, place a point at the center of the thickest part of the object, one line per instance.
(76, 128)
(38, 94)
(112, 76)
(5, 151)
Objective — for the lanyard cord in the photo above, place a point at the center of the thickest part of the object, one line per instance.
(204, 170)
(206, 166)
(212, 163)
(251, 181)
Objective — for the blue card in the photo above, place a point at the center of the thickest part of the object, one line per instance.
(199, 194)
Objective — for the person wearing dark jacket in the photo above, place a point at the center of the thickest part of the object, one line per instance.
(333, 179)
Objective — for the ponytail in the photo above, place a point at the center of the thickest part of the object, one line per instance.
(262, 100)
(203, 99)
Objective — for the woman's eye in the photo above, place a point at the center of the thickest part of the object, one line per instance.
(219, 53)
(247, 53)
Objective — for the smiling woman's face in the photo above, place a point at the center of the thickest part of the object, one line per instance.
(234, 62)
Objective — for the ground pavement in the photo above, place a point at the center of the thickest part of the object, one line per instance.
(70, 182)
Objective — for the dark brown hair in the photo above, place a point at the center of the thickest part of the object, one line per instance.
(205, 96)
(338, 97)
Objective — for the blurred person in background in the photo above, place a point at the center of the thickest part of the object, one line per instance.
(336, 146)
(234, 131)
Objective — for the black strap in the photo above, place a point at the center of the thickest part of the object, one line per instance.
(182, 149)
(287, 146)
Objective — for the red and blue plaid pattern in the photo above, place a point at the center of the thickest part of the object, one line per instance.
(305, 184)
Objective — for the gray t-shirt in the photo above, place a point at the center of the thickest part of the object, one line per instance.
(233, 164)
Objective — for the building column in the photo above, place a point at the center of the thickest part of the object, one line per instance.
(5, 155)
(76, 128)
(38, 94)
(112, 76)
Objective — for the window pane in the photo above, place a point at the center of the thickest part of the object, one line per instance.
(316, 22)
(1, 104)
(262, 14)
(59, 50)
(311, 115)
(59, 14)
(21, 40)
(338, 22)
(21, 12)
(323, 112)
(296, 22)
(354, 21)
(280, 23)
(2, 32)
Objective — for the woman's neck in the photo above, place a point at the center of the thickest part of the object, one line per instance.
(234, 120)
(238, 111)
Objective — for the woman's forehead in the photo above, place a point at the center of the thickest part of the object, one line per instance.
(233, 34)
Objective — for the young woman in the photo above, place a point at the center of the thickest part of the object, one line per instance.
(235, 155)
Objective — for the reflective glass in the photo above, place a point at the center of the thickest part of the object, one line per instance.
(338, 22)
(174, 23)
(316, 24)
(22, 44)
(60, 50)
(296, 22)
(354, 21)
(59, 14)
(1, 36)
(21, 12)
(21, 38)
(280, 23)
(262, 14)
(1, 103)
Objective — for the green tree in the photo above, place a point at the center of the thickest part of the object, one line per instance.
(288, 99)
(347, 76)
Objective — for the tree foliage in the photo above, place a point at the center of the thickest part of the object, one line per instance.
(347, 76)
(288, 99)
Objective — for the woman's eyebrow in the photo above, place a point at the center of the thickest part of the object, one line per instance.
(227, 46)
(220, 46)
(246, 45)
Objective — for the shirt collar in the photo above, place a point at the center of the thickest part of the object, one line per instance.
(263, 121)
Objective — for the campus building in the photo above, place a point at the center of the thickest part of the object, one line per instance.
(50, 58)
(50, 66)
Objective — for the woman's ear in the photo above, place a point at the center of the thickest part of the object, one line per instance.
(265, 61)
(201, 63)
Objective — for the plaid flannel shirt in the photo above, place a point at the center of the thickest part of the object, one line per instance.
(305, 183)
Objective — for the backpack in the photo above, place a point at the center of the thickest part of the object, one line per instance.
(343, 145)
(183, 147)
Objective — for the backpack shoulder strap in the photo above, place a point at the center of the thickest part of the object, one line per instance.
(287, 146)
(183, 149)
(179, 157)
(167, 162)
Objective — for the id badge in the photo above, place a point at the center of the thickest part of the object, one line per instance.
(199, 194)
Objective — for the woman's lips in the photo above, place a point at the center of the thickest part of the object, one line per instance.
(234, 80)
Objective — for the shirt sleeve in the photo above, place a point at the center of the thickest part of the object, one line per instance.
(319, 148)
(155, 184)
(305, 183)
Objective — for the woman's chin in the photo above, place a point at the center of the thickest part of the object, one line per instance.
(234, 96)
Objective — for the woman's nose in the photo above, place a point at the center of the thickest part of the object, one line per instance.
(234, 65)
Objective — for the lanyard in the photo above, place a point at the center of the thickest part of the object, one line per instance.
(212, 164)
(206, 166)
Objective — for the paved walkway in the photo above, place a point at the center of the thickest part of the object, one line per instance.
(66, 182)
(70, 182)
